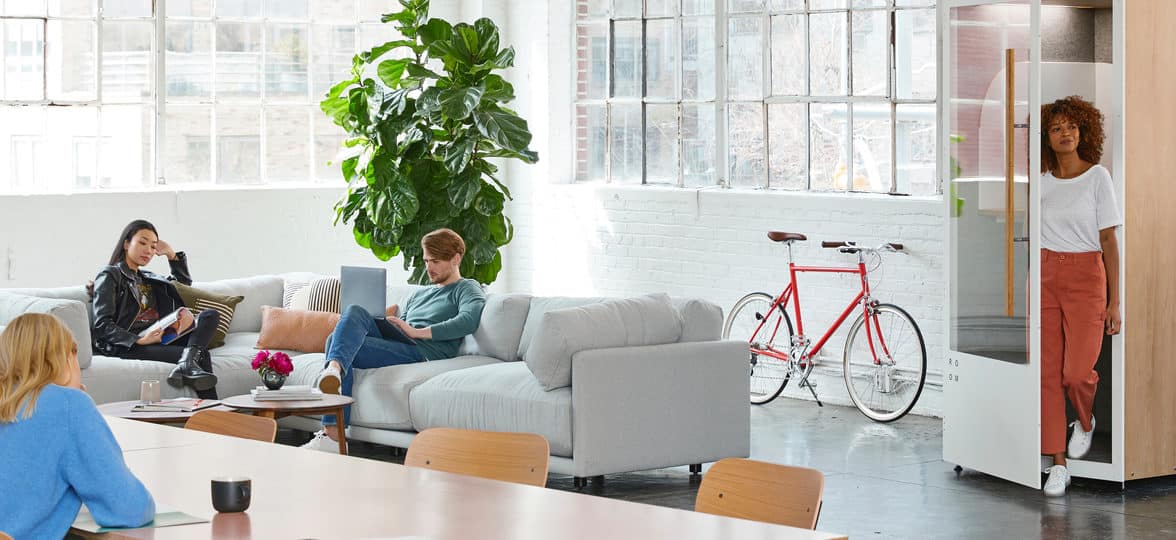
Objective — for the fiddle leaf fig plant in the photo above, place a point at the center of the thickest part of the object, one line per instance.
(425, 115)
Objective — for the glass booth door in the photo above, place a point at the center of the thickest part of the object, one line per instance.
(990, 143)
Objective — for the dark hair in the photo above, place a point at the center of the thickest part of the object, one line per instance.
(444, 243)
(1090, 130)
(120, 249)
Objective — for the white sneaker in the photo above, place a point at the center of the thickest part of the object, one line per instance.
(322, 443)
(1059, 479)
(1046, 463)
(329, 380)
(1080, 440)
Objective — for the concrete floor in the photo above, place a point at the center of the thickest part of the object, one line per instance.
(889, 481)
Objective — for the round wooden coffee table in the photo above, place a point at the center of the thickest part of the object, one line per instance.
(122, 409)
(329, 404)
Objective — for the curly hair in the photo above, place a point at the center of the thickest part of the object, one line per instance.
(1090, 129)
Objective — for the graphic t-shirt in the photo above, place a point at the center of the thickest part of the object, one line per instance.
(147, 312)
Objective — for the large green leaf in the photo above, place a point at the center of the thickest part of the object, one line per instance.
(526, 156)
(385, 251)
(487, 273)
(466, 43)
(497, 89)
(458, 102)
(391, 71)
(489, 202)
(487, 33)
(500, 229)
(435, 30)
(404, 202)
(464, 190)
(457, 155)
(504, 128)
(421, 72)
(376, 52)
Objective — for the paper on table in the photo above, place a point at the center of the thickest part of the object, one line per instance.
(164, 517)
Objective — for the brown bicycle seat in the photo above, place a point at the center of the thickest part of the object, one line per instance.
(777, 236)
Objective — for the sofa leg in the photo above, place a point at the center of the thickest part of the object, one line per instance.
(695, 468)
(579, 482)
(598, 480)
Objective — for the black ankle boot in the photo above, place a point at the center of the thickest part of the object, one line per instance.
(204, 360)
(188, 372)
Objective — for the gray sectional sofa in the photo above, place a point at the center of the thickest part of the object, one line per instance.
(614, 385)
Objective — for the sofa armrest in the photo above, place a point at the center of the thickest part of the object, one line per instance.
(74, 314)
(637, 408)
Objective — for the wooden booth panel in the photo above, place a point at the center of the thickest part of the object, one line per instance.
(1150, 265)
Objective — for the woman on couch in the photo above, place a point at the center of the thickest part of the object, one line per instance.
(128, 300)
(56, 451)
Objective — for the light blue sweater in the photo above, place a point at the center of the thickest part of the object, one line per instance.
(62, 456)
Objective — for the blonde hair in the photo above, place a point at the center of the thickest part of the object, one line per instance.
(34, 352)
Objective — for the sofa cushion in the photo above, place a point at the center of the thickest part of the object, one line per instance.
(199, 300)
(296, 329)
(701, 320)
(541, 305)
(643, 320)
(381, 395)
(258, 291)
(320, 294)
(498, 397)
(72, 313)
(501, 327)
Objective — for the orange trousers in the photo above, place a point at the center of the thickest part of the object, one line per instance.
(1073, 310)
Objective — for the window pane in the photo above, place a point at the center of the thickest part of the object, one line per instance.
(187, 152)
(127, 147)
(63, 127)
(189, 8)
(827, 140)
(238, 145)
(24, 7)
(286, 69)
(788, 72)
(787, 5)
(128, 66)
(788, 145)
(287, 152)
(371, 10)
(661, 8)
(376, 34)
(626, 8)
(24, 66)
(661, 53)
(698, 145)
(627, 59)
(238, 8)
(126, 8)
(332, 48)
(870, 53)
(22, 147)
(904, 3)
(625, 141)
(745, 145)
(827, 4)
(868, 3)
(189, 59)
(238, 59)
(592, 61)
(73, 8)
(698, 7)
(661, 144)
(745, 60)
(915, 57)
(827, 54)
(745, 6)
(590, 143)
(871, 148)
(698, 58)
(328, 139)
(287, 9)
(322, 11)
(591, 8)
(915, 146)
(72, 60)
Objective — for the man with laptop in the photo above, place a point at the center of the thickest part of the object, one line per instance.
(430, 327)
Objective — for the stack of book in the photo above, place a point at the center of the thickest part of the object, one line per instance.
(176, 405)
(301, 392)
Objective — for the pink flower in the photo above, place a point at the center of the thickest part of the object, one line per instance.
(260, 359)
(280, 362)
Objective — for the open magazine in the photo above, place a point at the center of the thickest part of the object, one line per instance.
(176, 405)
(174, 326)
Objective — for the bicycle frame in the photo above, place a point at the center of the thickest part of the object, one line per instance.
(792, 292)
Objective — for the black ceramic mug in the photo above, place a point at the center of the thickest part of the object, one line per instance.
(231, 494)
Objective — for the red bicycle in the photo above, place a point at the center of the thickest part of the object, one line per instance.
(885, 359)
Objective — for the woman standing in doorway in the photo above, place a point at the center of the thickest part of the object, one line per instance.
(1079, 276)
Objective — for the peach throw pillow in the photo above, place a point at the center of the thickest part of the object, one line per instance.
(295, 330)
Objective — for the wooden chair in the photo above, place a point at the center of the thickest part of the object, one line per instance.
(513, 457)
(760, 491)
(234, 424)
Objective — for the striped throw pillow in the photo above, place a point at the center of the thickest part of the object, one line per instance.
(198, 300)
(323, 295)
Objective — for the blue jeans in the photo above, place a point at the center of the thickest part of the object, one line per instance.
(357, 343)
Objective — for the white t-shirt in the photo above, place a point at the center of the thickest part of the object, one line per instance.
(1073, 211)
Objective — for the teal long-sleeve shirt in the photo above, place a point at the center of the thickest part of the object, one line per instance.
(63, 456)
(452, 312)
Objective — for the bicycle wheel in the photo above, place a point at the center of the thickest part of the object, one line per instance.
(885, 391)
(768, 375)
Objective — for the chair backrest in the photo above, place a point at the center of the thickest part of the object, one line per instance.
(513, 457)
(234, 425)
(761, 491)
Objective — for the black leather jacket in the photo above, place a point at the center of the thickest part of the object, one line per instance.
(116, 303)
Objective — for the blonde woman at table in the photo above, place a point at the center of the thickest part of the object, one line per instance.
(56, 451)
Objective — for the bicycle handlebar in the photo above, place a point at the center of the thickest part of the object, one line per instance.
(852, 247)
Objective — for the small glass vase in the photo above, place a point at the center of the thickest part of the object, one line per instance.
(272, 379)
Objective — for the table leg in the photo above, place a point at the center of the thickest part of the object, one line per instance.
(265, 413)
(342, 431)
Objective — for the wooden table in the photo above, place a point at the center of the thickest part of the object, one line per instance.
(303, 494)
(122, 409)
(329, 404)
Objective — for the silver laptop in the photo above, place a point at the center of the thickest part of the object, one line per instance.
(365, 287)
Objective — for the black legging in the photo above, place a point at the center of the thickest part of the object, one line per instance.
(206, 323)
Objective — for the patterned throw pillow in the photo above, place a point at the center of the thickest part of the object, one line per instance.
(321, 294)
(198, 300)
